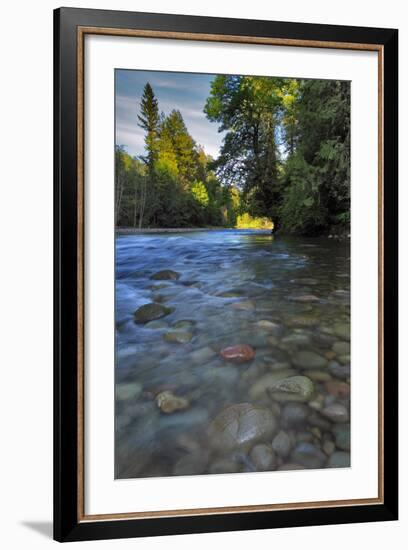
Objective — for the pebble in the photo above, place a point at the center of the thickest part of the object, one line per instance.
(202, 355)
(344, 359)
(261, 388)
(302, 321)
(127, 390)
(184, 324)
(329, 447)
(293, 388)
(263, 457)
(169, 403)
(151, 312)
(156, 325)
(337, 388)
(224, 466)
(178, 337)
(290, 466)
(341, 348)
(238, 354)
(165, 275)
(317, 375)
(240, 426)
(304, 298)
(246, 305)
(336, 413)
(282, 444)
(342, 330)
(308, 455)
(339, 371)
(296, 340)
(341, 434)
(308, 360)
(294, 415)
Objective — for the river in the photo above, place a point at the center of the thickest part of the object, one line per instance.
(284, 300)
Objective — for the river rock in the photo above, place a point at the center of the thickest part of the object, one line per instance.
(294, 415)
(169, 403)
(293, 388)
(341, 434)
(241, 426)
(308, 360)
(308, 455)
(127, 390)
(336, 412)
(238, 354)
(318, 375)
(263, 457)
(282, 444)
(339, 459)
(178, 337)
(329, 447)
(337, 388)
(247, 305)
(296, 340)
(202, 355)
(302, 321)
(341, 348)
(273, 328)
(342, 331)
(151, 312)
(339, 371)
(317, 420)
(156, 325)
(261, 388)
(166, 275)
(184, 324)
(304, 298)
(344, 359)
(290, 466)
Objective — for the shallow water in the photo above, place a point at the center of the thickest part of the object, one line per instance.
(229, 282)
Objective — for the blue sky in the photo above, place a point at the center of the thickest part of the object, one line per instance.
(183, 91)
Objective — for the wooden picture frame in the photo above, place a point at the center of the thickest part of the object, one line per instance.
(70, 28)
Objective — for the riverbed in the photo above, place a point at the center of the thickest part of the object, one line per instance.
(232, 353)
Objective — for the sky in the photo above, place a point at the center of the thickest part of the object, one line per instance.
(186, 92)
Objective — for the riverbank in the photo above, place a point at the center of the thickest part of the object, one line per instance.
(136, 230)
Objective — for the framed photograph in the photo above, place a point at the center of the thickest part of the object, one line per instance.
(225, 274)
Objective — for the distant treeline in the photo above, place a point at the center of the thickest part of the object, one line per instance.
(285, 157)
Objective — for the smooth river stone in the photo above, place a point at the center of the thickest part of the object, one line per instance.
(238, 354)
(240, 427)
(318, 375)
(302, 321)
(309, 360)
(342, 330)
(263, 457)
(341, 434)
(247, 305)
(337, 388)
(296, 339)
(224, 466)
(294, 388)
(336, 412)
(339, 371)
(151, 312)
(125, 391)
(192, 464)
(156, 325)
(341, 348)
(169, 403)
(282, 444)
(308, 455)
(178, 337)
(202, 355)
(165, 275)
(184, 324)
(294, 415)
(261, 388)
(304, 298)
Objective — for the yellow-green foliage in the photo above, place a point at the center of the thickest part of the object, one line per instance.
(245, 221)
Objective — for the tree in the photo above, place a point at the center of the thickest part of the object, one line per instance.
(149, 121)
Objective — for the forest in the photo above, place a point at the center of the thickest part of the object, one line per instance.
(284, 162)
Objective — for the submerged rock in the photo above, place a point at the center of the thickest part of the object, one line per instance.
(342, 330)
(304, 298)
(336, 412)
(166, 275)
(341, 348)
(263, 457)
(125, 391)
(339, 371)
(261, 388)
(224, 466)
(309, 360)
(337, 388)
(308, 455)
(238, 354)
(294, 415)
(341, 434)
(178, 337)
(184, 324)
(294, 388)
(194, 463)
(241, 426)
(246, 305)
(282, 444)
(151, 312)
(169, 403)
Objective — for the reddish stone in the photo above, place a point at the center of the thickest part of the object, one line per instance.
(330, 355)
(239, 354)
(338, 389)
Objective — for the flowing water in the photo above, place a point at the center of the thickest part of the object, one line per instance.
(280, 296)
